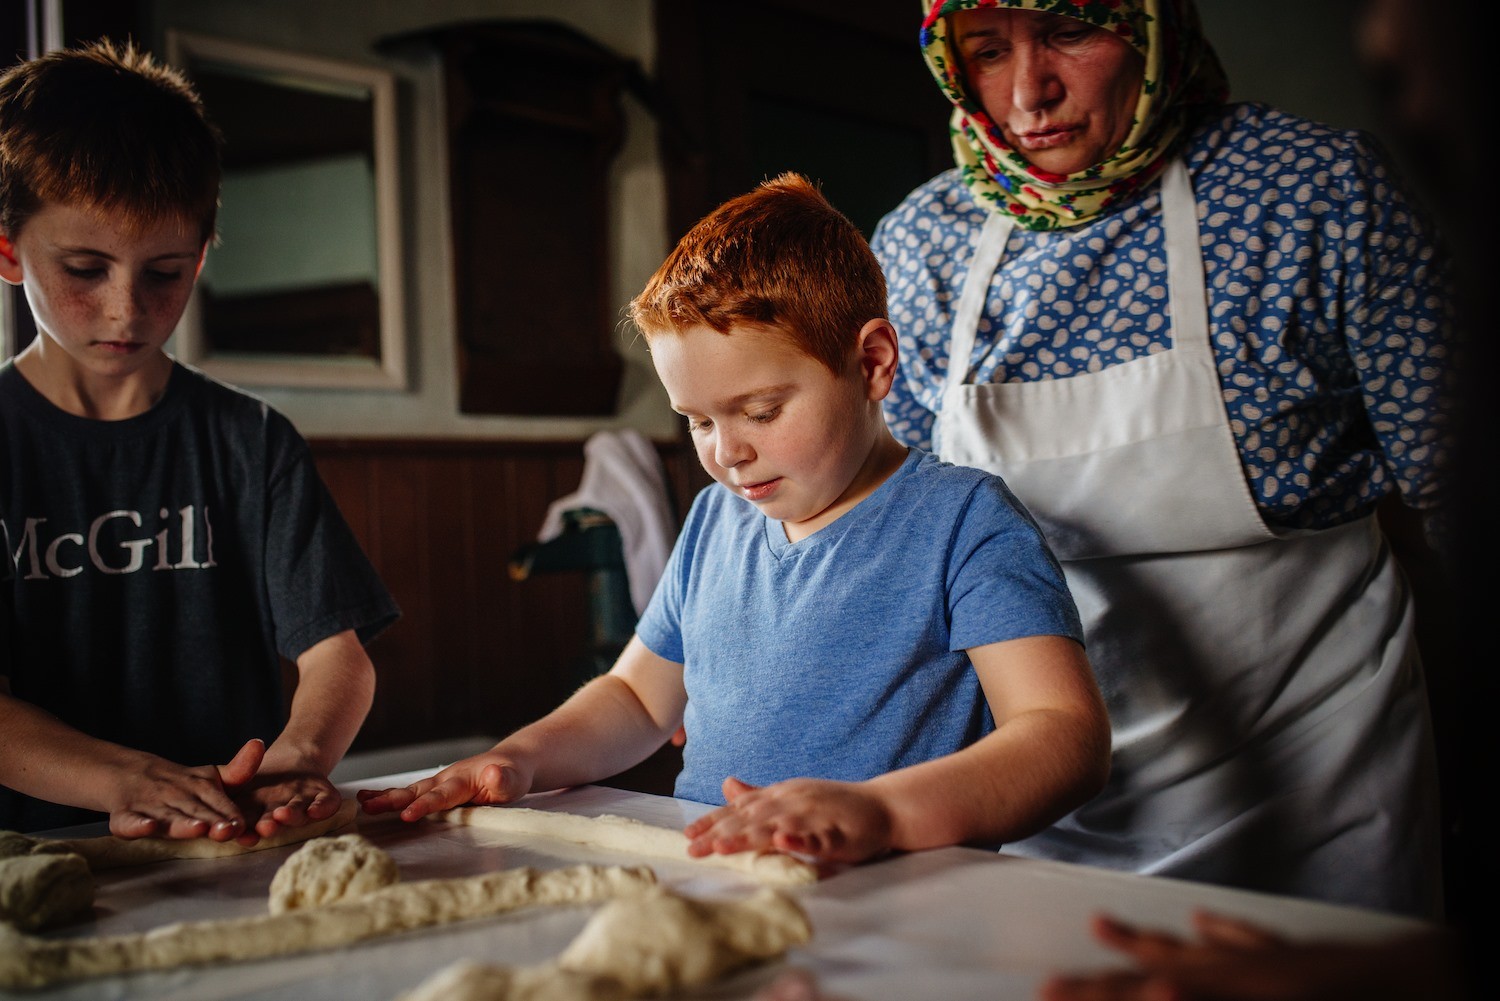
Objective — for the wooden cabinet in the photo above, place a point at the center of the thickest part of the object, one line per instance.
(533, 124)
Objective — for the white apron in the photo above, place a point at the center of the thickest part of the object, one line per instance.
(1270, 724)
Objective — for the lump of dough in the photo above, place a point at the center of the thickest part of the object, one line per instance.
(470, 981)
(13, 844)
(659, 941)
(328, 869)
(37, 891)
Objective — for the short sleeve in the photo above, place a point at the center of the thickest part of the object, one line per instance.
(1004, 582)
(319, 581)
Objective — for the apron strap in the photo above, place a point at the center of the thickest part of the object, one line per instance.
(1187, 296)
(971, 302)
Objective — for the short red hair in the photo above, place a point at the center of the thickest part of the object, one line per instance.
(780, 257)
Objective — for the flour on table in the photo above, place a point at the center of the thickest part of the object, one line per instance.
(625, 834)
(37, 891)
(644, 945)
(28, 962)
(330, 869)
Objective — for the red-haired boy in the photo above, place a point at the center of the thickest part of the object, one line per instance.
(870, 649)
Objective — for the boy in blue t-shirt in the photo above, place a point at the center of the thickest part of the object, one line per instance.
(869, 649)
(166, 536)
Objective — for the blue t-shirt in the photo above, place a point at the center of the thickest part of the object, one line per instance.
(842, 656)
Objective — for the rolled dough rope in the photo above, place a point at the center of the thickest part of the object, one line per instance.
(625, 834)
(646, 945)
(110, 852)
(27, 962)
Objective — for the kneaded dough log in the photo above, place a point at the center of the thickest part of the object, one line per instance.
(44, 889)
(331, 869)
(27, 962)
(641, 946)
(625, 834)
(110, 852)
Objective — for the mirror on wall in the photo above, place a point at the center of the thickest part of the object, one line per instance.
(304, 287)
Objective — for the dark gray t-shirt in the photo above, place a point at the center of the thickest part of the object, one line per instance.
(157, 567)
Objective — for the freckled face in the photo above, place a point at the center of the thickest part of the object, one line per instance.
(1062, 92)
(769, 422)
(109, 297)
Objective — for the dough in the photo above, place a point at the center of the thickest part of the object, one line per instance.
(28, 962)
(110, 852)
(644, 945)
(331, 869)
(13, 844)
(624, 834)
(661, 941)
(44, 889)
(468, 981)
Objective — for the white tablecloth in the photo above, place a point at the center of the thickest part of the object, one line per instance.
(956, 923)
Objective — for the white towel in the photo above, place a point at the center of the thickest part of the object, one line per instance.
(624, 478)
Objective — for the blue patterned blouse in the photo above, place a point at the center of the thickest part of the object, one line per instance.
(1326, 302)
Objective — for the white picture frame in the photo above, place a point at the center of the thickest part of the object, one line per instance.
(190, 343)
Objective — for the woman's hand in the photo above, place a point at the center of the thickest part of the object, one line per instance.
(288, 793)
(484, 779)
(831, 821)
(158, 798)
(1233, 960)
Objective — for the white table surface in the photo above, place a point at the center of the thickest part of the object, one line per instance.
(955, 923)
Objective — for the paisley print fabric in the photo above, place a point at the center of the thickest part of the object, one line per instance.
(1182, 73)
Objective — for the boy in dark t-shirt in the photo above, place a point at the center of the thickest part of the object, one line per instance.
(166, 536)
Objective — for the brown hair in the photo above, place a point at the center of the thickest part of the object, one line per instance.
(779, 256)
(107, 127)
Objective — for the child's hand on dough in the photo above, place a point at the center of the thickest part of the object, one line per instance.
(484, 779)
(831, 821)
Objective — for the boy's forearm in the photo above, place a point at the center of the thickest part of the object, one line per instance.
(1026, 775)
(335, 689)
(600, 731)
(44, 757)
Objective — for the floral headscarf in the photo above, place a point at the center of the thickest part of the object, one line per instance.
(1181, 73)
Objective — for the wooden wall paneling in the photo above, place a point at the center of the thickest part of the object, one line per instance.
(492, 535)
(406, 699)
(453, 591)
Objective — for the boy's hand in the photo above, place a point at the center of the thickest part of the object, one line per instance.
(832, 821)
(484, 779)
(291, 797)
(167, 800)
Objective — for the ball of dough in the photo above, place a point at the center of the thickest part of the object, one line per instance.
(37, 891)
(658, 941)
(328, 869)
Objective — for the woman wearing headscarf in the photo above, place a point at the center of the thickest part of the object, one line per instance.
(1200, 341)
